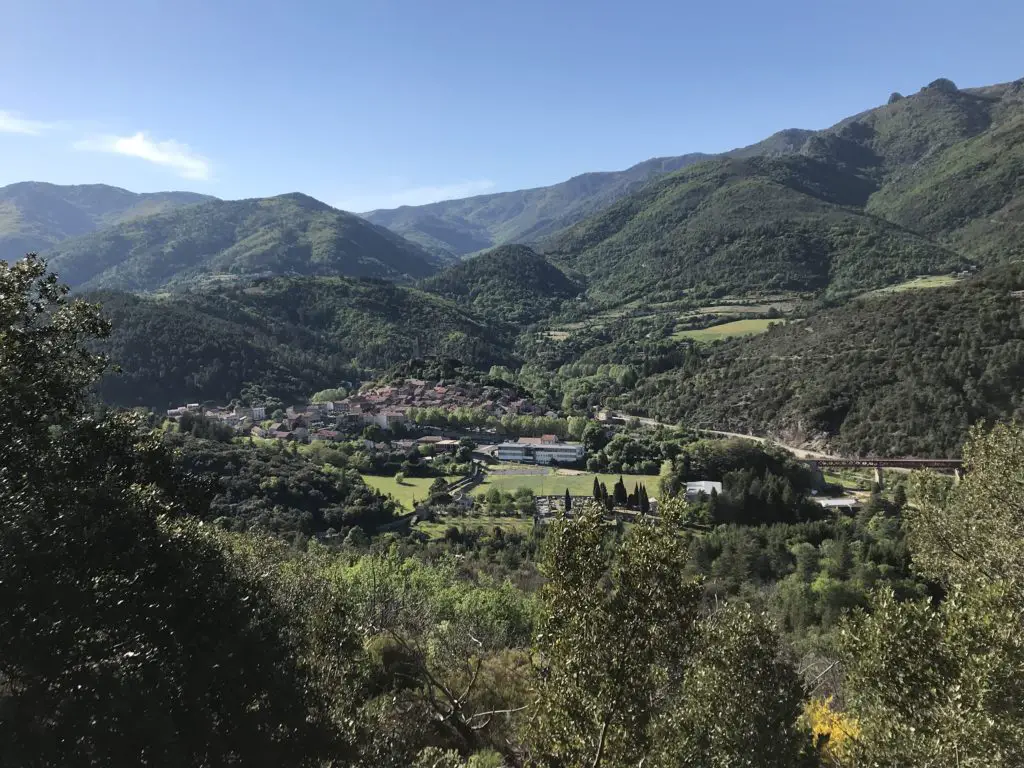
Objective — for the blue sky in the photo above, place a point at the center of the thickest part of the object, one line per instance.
(379, 103)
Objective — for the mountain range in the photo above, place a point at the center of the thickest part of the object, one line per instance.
(237, 240)
(35, 216)
(622, 267)
(456, 228)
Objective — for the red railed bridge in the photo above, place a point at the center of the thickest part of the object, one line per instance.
(956, 466)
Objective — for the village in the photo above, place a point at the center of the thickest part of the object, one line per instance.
(387, 407)
(403, 416)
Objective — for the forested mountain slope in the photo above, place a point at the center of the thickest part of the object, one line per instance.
(769, 224)
(893, 374)
(293, 336)
(511, 284)
(285, 235)
(34, 215)
(460, 227)
(925, 184)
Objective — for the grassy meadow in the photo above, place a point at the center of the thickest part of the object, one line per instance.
(411, 490)
(550, 483)
(726, 330)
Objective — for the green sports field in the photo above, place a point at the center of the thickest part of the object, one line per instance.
(551, 484)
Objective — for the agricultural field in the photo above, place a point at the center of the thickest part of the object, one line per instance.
(917, 283)
(411, 490)
(727, 330)
(554, 482)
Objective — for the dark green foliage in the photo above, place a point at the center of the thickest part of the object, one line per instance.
(717, 459)
(940, 684)
(511, 284)
(619, 492)
(743, 700)
(640, 453)
(869, 377)
(756, 224)
(818, 570)
(233, 240)
(631, 671)
(273, 490)
(127, 635)
(292, 336)
(35, 216)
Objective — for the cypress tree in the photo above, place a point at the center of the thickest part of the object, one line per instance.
(568, 500)
(621, 496)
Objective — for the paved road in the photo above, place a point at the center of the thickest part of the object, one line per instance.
(800, 453)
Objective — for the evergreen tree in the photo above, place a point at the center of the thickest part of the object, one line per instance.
(130, 636)
(621, 495)
(568, 501)
(597, 489)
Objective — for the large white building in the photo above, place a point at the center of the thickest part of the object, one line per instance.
(540, 450)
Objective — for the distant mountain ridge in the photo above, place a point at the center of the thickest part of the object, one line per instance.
(925, 184)
(34, 215)
(465, 226)
(237, 240)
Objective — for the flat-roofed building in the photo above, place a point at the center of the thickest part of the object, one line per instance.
(536, 450)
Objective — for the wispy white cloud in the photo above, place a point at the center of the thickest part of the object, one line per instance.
(415, 195)
(170, 154)
(12, 122)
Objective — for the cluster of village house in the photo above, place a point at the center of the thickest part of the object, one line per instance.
(384, 407)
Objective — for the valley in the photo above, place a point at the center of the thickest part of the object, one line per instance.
(575, 475)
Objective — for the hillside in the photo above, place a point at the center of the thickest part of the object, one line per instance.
(892, 374)
(293, 336)
(923, 185)
(34, 216)
(236, 240)
(460, 227)
(953, 167)
(738, 225)
(511, 284)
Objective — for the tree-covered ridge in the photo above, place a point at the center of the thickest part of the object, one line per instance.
(274, 490)
(34, 216)
(906, 373)
(286, 235)
(461, 227)
(294, 336)
(924, 183)
(789, 223)
(966, 188)
(510, 284)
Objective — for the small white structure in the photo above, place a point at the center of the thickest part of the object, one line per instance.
(840, 504)
(696, 488)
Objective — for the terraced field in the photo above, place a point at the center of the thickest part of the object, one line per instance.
(917, 283)
(726, 330)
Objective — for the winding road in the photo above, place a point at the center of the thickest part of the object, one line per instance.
(800, 453)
